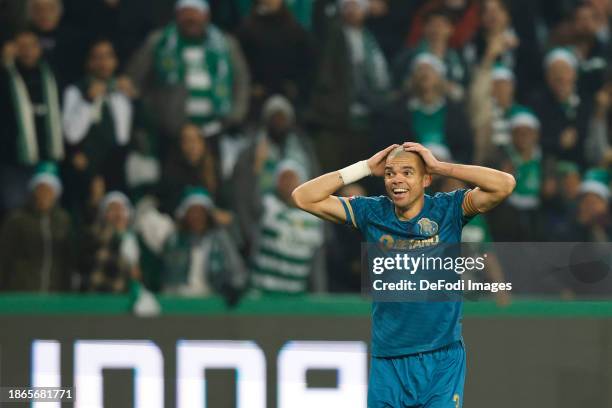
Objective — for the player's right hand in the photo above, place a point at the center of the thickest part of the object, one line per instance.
(377, 162)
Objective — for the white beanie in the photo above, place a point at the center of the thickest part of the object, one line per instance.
(525, 119)
(561, 54)
(278, 103)
(200, 5)
(116, 197)
(433, 61)
(502, 73)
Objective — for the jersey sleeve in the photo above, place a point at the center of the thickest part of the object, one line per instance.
(455, 200)
(462, 205)
(356, 210)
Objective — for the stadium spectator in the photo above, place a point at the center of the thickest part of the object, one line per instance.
(564, 113)
(491, 100)
(343, 257)
(108, 252)
(598, 144)
(352, 80)
(523, 158)
(560, 191)
(198, 256)
(425, 114)
(35, 242)
(495, 23)
(191, 71)
(591, 222)
(582, 35)
(31, 129)
(190, 164)
(284, 260)
(278, 139)
(437, 32)
(465, 15)
(99, 112)
(278, 52)
(64, 47)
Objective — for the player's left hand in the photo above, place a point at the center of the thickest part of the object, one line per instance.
(432, 165)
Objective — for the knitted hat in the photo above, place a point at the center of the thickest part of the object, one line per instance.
(433, 61)
(524, 117)
(46, 172)
(502, 73)
(194, 196)
(200, 5)
(278, 103)
(561, 54)
(596, 181)
(116, 197)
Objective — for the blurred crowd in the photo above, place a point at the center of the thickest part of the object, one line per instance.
(157, 142)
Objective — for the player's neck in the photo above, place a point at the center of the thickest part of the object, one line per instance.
(412, 210)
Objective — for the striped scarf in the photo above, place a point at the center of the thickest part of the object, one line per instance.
(204, 67)
(27, 146)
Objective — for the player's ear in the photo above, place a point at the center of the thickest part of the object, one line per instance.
(426, 180)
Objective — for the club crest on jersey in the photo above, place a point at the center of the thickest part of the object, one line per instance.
(428, 227)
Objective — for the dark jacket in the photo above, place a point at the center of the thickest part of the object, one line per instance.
(554, 120)
(278, 51)
(35, 251)
(393, 124)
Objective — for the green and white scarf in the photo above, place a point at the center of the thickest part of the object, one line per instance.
(177, 259)
(27, 146)
(212, 93)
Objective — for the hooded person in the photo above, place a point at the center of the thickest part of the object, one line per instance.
(284, 257)
(35, 241)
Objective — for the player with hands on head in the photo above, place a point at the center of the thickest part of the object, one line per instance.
(418, 355)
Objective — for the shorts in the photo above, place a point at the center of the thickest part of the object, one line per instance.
(432, 379)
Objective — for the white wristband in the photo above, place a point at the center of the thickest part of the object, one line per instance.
(355, 172)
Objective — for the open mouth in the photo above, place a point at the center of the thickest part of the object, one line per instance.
(399, 193)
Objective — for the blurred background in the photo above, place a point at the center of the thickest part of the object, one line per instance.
(149, 150)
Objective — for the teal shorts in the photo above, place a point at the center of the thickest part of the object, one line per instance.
(433, 379)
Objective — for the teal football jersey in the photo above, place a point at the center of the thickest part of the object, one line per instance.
(409, 327)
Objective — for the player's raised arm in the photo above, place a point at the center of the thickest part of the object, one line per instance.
(316, 196)
(492, 186)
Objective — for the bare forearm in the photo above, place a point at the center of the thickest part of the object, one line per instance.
(487, 179)
(318, 189)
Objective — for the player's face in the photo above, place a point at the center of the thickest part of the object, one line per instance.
(405, 179)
